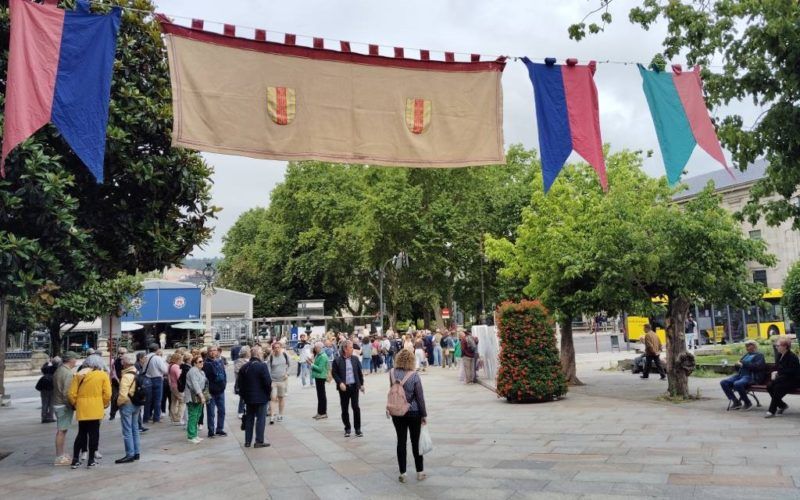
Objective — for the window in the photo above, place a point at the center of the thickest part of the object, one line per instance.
(760, 276)
(755, 234)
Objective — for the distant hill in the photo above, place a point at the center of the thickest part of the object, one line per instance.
(199, 264)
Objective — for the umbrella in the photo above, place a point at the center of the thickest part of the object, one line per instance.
(189, 326)
(127, 326)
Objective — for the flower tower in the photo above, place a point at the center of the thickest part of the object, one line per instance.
(530, 369)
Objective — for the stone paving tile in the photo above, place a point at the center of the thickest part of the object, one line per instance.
(752, 480)
(622, 477)
(579, 487)
(748, 470)
(292, 493)
(742, 493)
(523, 464)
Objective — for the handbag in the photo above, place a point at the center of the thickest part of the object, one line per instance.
(425, 441)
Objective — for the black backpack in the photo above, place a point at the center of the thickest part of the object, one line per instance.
(182, 378)
(139, 396)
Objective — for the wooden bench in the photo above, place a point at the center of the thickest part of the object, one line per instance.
(754, 388)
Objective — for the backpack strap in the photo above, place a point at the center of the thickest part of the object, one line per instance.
(408, 376)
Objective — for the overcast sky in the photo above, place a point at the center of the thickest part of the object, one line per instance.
(536, 29)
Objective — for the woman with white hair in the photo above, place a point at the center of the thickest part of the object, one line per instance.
(244, 357)
(128, 411)
(90, 395)
(319, 372)
(784, 379)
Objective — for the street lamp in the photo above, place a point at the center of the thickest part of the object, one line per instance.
(207, 289)
(400, 261)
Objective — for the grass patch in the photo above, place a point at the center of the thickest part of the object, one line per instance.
(703, 373)
(717, 359)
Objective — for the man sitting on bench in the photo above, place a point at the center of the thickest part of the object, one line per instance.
(785, 378)
(751, 370)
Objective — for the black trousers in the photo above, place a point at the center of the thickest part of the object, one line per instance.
(349, 397)
(255, 418)
(114, 396)
(777, 389)
(322, 397)
(648, 360)
(402, 426)
(88, 436)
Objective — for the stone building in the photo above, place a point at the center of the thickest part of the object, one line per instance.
(782, 240)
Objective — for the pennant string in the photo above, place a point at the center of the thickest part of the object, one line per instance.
(365, 45)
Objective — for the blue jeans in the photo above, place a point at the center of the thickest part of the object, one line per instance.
(366, 361)
(256, 415)
(215, 401)
(152, 408)
(305, 373)
(389, 360)
(437, 356)
(129, 419)
(739, 383)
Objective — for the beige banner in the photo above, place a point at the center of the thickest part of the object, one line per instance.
(234, 100)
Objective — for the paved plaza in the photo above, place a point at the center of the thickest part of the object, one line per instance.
(609, 439)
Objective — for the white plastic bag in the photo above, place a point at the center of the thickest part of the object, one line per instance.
(425, 442)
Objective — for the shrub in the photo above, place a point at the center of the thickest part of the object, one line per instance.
(530, 369)
(791, 293)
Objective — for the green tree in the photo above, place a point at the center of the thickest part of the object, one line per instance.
(59, 226)
(758, 44)
(791, 293)
(583, 251)
(330, 227)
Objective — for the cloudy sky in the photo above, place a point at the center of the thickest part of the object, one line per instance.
(536, 29)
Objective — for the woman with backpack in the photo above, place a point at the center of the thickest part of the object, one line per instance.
(128, 410)
(406, 406)
(90, 395)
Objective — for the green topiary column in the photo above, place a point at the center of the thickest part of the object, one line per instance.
(530, 369)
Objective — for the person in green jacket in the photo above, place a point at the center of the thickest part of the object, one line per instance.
(319, 372)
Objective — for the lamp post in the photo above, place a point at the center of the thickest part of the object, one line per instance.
(400, 261)
(207, 289)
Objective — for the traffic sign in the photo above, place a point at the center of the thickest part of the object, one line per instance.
(445, 313)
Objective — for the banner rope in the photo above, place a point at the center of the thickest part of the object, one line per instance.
(367, 44)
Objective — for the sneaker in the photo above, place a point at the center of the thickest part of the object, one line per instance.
(200, 427)
(144, 429)
(747, 406)
(222, 433)
(194, 441)
(359, 434)
(75, 464)
(91, 465)
(737, 405)
(83, 456)
(402, 478)
(97, 455)
(781, 410)
(280, 418)
(421, 476)
(261, 445)
(321, 417)
(124, 460)
(769, 415)
(64, 460)
(347, 434)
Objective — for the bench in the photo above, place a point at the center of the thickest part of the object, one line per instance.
(754, 388)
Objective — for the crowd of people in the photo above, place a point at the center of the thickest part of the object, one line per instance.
(188, 388)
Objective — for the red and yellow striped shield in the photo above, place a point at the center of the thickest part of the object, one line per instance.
(281, 105)
(418, 115)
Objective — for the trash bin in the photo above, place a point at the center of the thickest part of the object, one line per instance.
(614, 341)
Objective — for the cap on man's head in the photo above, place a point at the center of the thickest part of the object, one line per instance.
(69, 355)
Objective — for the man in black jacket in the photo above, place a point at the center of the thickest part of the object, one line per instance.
(785, 378)
(349, 380)
(255, 386)
(214, 369)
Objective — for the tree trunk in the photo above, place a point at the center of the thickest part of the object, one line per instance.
(426, 318)
(55, 338)
(3, 342)
(568, 352)
(680, 363)
(437, 312)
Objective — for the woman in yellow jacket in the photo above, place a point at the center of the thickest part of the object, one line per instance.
(90, 395)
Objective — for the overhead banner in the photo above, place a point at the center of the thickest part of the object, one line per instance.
(60, 64)
(262, 99)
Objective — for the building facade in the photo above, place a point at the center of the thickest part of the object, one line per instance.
(781, 240)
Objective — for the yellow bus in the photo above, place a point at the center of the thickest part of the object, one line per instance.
(719, 324)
